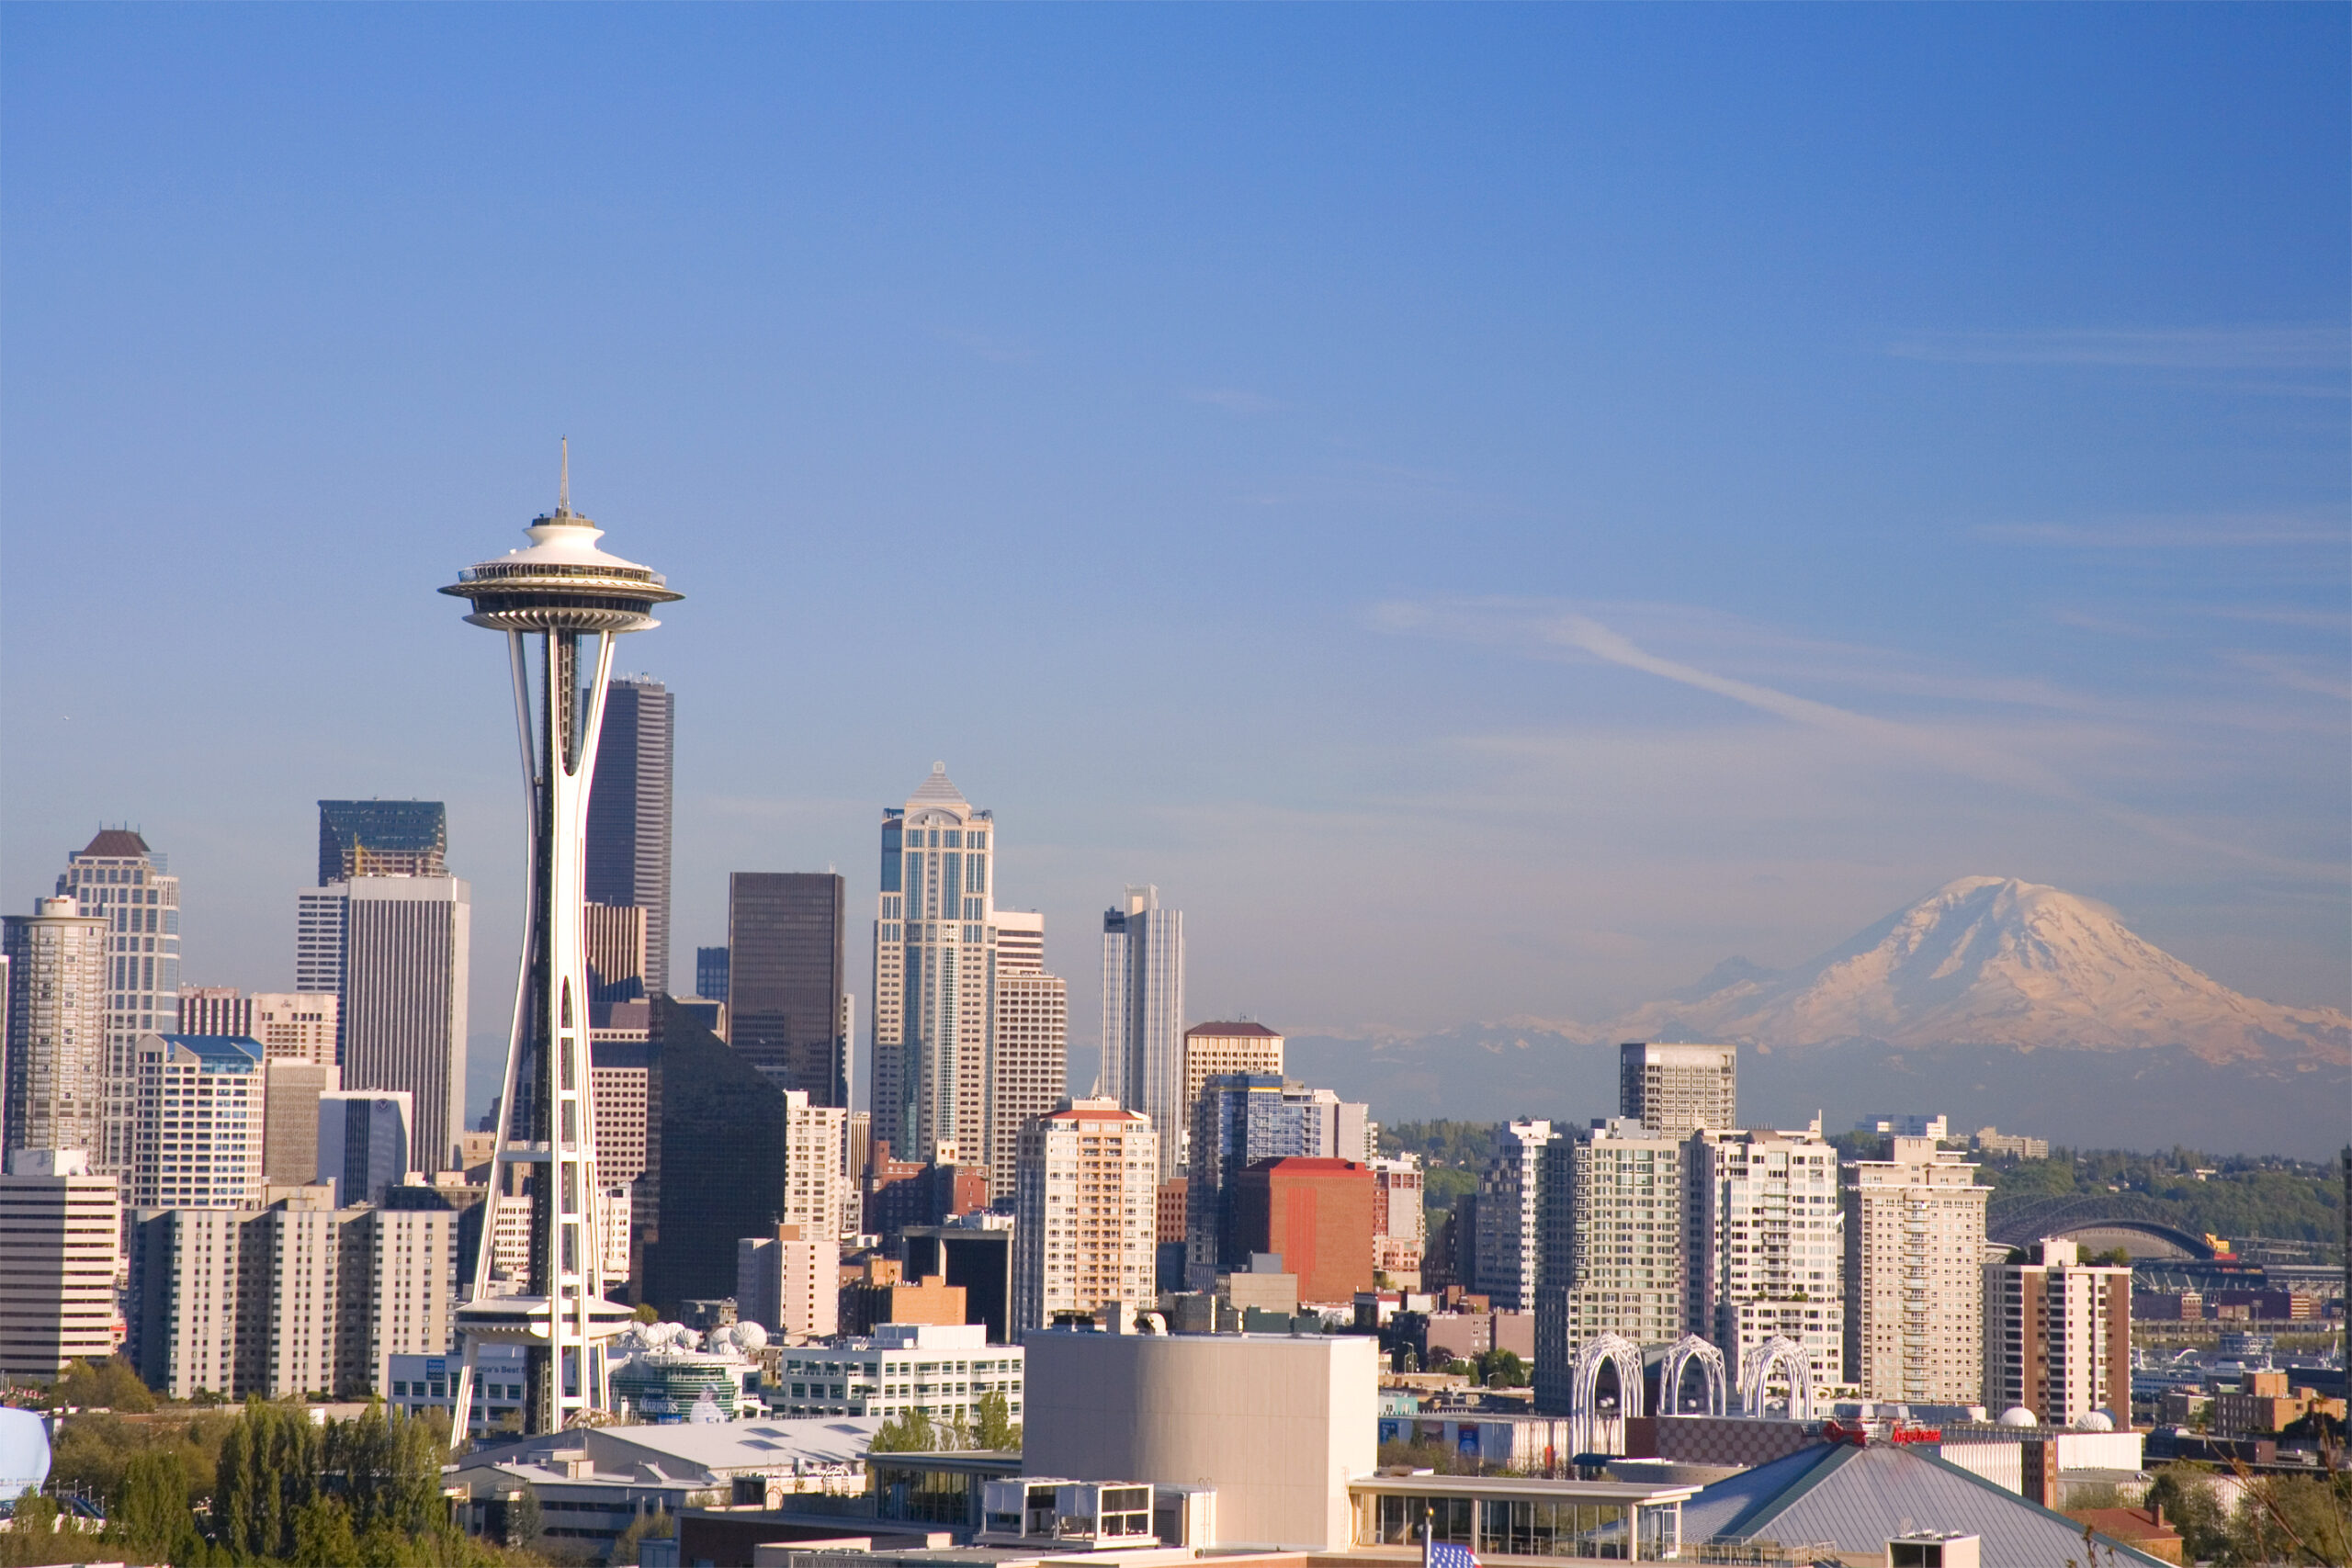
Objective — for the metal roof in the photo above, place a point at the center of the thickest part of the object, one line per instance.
(1860, 1498)
(237, 1052)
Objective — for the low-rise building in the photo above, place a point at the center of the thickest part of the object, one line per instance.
(2263, 1402)
(941, 1371)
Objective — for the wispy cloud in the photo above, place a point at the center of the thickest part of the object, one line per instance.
(996, 350)
(2213, 531)
(1233, 399)
(2296, 674)
(2202, 348)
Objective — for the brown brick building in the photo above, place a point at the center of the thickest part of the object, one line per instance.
(1318, 1213)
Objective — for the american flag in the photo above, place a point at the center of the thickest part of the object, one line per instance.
(1443, 1554)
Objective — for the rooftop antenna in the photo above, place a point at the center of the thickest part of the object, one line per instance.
(563, 485)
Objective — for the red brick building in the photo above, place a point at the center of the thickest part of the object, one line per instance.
(1319, 1214)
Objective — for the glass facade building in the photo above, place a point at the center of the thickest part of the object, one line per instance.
(629, 812)
(382, 838)
(785, 979)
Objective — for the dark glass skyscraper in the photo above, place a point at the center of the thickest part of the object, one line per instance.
(786, 980)
(715, 1161)
(382, 838)
(628, 814)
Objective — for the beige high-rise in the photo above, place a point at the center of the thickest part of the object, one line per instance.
(813, 1139)
(1768, 1253)
(1029, 1066)
(1915, 1309)
(1211, 1049)
(56, 1047)
(298, 1026)
(1086, 1201)
(1678, 1089)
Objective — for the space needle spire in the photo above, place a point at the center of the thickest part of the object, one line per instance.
(571, 599)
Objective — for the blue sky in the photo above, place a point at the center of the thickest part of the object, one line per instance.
(1492, 509)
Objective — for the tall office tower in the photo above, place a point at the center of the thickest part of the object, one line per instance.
(1915, 1305)
(198, 1124)
(1678, 1089)
(814, 1137)
(319, 914)
(785, 979)
(628, 816)
(613, 936)
(621, 1070)
(363, 1142)
(291, 1026)
(60, 1227)
(1084, 1211)
(120, 879)
(291, 1090)
(711, 973)
(1511, 1216)
(1143, 1016)
(1242, 1118)
(55, 1081)
(1213, 1050)
(1399, 1232)
(1767, 1245)
(406, 950)
(2058, 1335)
(1029, 1064)
(382, 838)
(561, 590)
(1612, 1222)
(934, 933)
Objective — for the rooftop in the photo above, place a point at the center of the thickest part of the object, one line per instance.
(938, 789)
(1222, 1029)
(236, 1052)
(117, 843)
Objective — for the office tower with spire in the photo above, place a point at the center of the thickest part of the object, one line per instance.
(571, 599)
(54, 1088)
(629, 819)
(1143, 1017)
(120, 879)
(934, 972)
(382, 838)
(787, 979)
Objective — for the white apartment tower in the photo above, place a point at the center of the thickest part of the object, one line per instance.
(54, 1052)
(60, 1231)
(1143, 1017)
(118, 878)
(199, 1129)
(1612, 1223)
(1086, 1211)
(1767, 1245)
(1915, 1311)
(1511, 1216)
(1677, 1089)
(970, 1033)
(814, 1137)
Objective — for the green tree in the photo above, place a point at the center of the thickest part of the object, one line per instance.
(993, 1426)
(323, 1533)
(908, 1432)
(2191, 1504)
(657, 1526)
(1502, 1368)
(648, 1313)
(149, 1517)
(111, 1385)
(523, 1517)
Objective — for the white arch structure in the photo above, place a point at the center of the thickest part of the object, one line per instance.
(1679, 1356)
(1756, 1369)
(1589, 1430)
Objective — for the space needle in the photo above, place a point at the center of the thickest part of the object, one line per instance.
(573, 599)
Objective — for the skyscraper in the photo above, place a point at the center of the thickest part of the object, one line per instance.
(561, 590)
(629, 815)
(1212, 1049)
(1612, 1215)
(1767, 1244)
(382, 838)
(711, 973)
(1915, 1303)
(613, 938)
(1678, 1089)
(1511, 1216)
(934, 941)
(291, 1026)
(2058, 1335)
(1029, 1051)
(787, 978)
(55, 1080)
(1239, 1119)
(64, 1226)
(1143, 1016)
(199, 1123)
(363, 1142)
(405, 961)
(1085, 1216)
(120, 879)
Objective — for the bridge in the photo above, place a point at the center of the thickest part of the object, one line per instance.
(2121, 1219)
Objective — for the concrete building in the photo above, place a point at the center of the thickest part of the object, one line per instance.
(382, 838)
(1678, 1089)
(291, 1026)
(628, 856)
(815, 1136)
(185, 1268)
(1914, 1306)
(1029, 1072)
(118, 878)
(1906, 1126)
(1279, 1427)
(290, 1298)
(620, 1071)
(1143, 1017)
(1317, 1215)
(1398, 1228)
(406, 948)
(1767, 1245)
(198, 1124)
(942, 1369)
(1214, 1050)
(1510, 1250)
(882, 1293)
(787, 979)
(612, 938)
(1084, 1211)
(2058, 1335)
(54, 1064)
(1239, 1118)
(291, 1088)
(318, 942)
(1612, 1213)
(789, 1283)
(363, 1143)
(59, 1229)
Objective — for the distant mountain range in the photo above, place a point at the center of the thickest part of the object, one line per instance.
(1995, 1001)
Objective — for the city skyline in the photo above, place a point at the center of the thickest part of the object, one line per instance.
(1750, 551)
